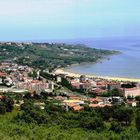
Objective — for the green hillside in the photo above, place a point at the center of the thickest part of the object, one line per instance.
(50, 56)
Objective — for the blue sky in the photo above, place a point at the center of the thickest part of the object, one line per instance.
(58, 19)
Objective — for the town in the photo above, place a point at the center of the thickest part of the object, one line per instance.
(69, 70)
(72, 92)
(36, 92)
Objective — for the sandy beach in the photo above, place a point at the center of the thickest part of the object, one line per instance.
(74, 74)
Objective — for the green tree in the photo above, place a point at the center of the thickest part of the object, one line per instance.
(137, 120)
(2, 108)
(116, 92)
(105, 112)
(94, 123)
(116, 127)
(137, 98)
(54, 107)
(124, 114)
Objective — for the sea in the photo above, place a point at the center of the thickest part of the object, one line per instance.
(126, 64)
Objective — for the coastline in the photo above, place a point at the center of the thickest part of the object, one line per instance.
(74, 74)
(68, 72)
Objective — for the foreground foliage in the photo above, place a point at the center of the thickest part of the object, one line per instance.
(11, 129)
(55, 122)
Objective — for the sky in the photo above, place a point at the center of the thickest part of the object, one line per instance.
(68, 19)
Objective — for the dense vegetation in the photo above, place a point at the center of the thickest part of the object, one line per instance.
(50, 55)
(55, 122)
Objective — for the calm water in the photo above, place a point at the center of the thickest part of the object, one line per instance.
(126, 64)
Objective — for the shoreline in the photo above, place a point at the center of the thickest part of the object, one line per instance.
(75, 74)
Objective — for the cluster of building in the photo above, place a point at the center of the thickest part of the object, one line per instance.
(16, 77)
(19, 44)
(99, 86)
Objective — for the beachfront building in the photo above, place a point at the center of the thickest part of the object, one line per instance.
(113, 85)
(133, 92)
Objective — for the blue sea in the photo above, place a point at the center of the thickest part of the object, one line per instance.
(126, 64)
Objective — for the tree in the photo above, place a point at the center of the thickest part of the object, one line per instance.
(123, 114)
(32, 74)
(116, 127)
(65, 82)
(9, 105)
(92, 123)
(33, 114)
(115, 92)
(137, 98)
(27, 106)
(54, 107)
(129, 85)
(27, 96)
(105, 112)
(2, 108)
(107, 94)
(47, 75)
(137, 120)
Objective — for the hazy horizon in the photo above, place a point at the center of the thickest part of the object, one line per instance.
(62, 19)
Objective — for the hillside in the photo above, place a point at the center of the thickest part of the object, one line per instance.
(45, 55)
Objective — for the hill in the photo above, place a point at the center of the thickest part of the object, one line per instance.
(45, 55)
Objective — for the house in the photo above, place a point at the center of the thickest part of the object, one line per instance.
(101, 84)
(51, 85)
(60, 98)
(33, 85)
(58, 79)
(77, 102)
(97, 90)
(113, 85)
(93, 84)
(132, 103)
(2, 97)
(73, 105)
(95, 100)
(2, 74)
(78, 108)
(75, 85)
(98, 105)
(133, 92)
(116, 100)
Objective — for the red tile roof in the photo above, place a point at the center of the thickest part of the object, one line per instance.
(35, 81)
(99, 105)
(78, 108)
(2, 74)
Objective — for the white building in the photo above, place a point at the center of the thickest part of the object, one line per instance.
(51, 85)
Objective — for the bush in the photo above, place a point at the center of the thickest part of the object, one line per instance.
(124, 114)
(116, 127)
(93, 123)
(137, 120)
